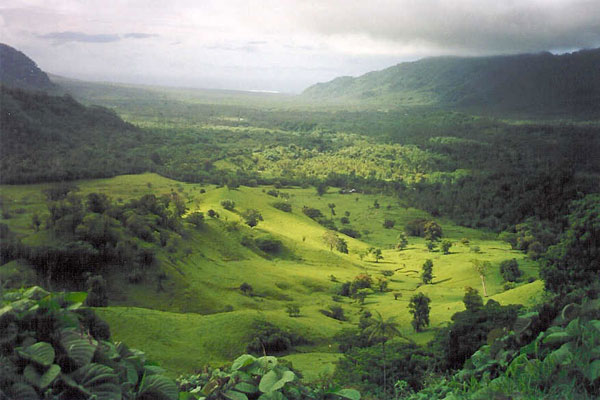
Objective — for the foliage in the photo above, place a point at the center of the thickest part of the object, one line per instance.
(472, 299)
(283, 206)
(419, 308)
(262, 378)
(50, 350)
(228, 204)
(510, 270)
(402, 241)
(389, 223)
(268, 244)
(335, 312)
(267, 338)
(312, 212)
(252, 217)
(427, 273)
(575, 260)
(445, 246)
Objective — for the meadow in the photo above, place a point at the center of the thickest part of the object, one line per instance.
(200, 316)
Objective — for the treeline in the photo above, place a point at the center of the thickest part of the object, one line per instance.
(86, 236)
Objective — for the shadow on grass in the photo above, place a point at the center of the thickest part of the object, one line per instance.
(442, 281)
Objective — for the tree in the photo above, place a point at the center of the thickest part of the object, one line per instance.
(574, 261)
(246, 288)
(293, 310)
(96, 287)
(228, 204)
(383, 330)
(331, 239)
(252, 217)
(510, 270)
(427, 274)
(196, 218)
(332, 209)
(402, 241)
(431, 245)
(481, 267)
(445, 246)
(389, 223)
(419, 308)
(376, 254)
(472, 299)
(321, 189)
(36, 221)
(376, 204)
(342, 246)
(432, 231)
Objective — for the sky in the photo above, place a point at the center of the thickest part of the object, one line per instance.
(279, 45)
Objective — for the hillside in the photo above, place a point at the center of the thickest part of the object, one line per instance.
(19, 71)
(527, 83)
(46, 138)
(210, 318)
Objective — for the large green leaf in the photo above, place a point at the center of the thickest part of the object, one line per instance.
(246, 387)
(234, 395)
(272, 396)
(557, 338)
(350, 394)
(23, 391)
(79, 349)
(96, 380)
(41, 353)
(273, 380)
(157, 387)
(242, 361)
(592, 371)
(38, 380)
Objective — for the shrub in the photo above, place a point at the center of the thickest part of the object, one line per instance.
(345, 220)
(293, 310)
(273, 192)
(283, 206)
(268, 244)
(389, 223)
(510, 270)
(228, 204)
(252, 217)
(196, 218)
(270, 339)
(312, 212)
(212, 213)
(335, 312)
(446, 244)
(475, 249)
(246, 288)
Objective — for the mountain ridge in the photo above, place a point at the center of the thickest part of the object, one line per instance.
(19, 71)
(527, 82)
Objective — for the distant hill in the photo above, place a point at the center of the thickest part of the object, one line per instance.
(523, 83)
(50, 138)
(19, 71)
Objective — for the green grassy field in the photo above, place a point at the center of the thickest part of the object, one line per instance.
(201, 317)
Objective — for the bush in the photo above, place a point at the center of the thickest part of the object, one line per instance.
(335, 312)
(273, 192)
(350, 232)
(228, 204)
(283, 206)
(345, 220)
(389, 224)
(269, 244)
(270, 339)
(312, 212)
(293, 310)
(510, 270)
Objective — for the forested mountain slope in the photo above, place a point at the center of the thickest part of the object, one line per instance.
(48, 138)
(525, 83)
(19, 71)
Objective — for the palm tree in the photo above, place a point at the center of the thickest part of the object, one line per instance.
(384, 330)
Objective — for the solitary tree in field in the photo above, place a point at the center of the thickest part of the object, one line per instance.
(321, 189)
(427, 274)
(419, 308)
(252, 217)
(481, 267)
(446, 244)
(472, 299)
(383, 330)
(331, 239)
(402, 241)
(331, 208)
(377, 255)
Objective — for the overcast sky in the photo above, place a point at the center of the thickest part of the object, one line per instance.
(281, 45)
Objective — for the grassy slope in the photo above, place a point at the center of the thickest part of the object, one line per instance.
(205, 319)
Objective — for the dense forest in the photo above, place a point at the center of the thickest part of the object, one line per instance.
(246, 241)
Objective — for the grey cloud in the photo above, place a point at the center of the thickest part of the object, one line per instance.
(63, 37)
(467, 26)
(70, 36)
(137, 35)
